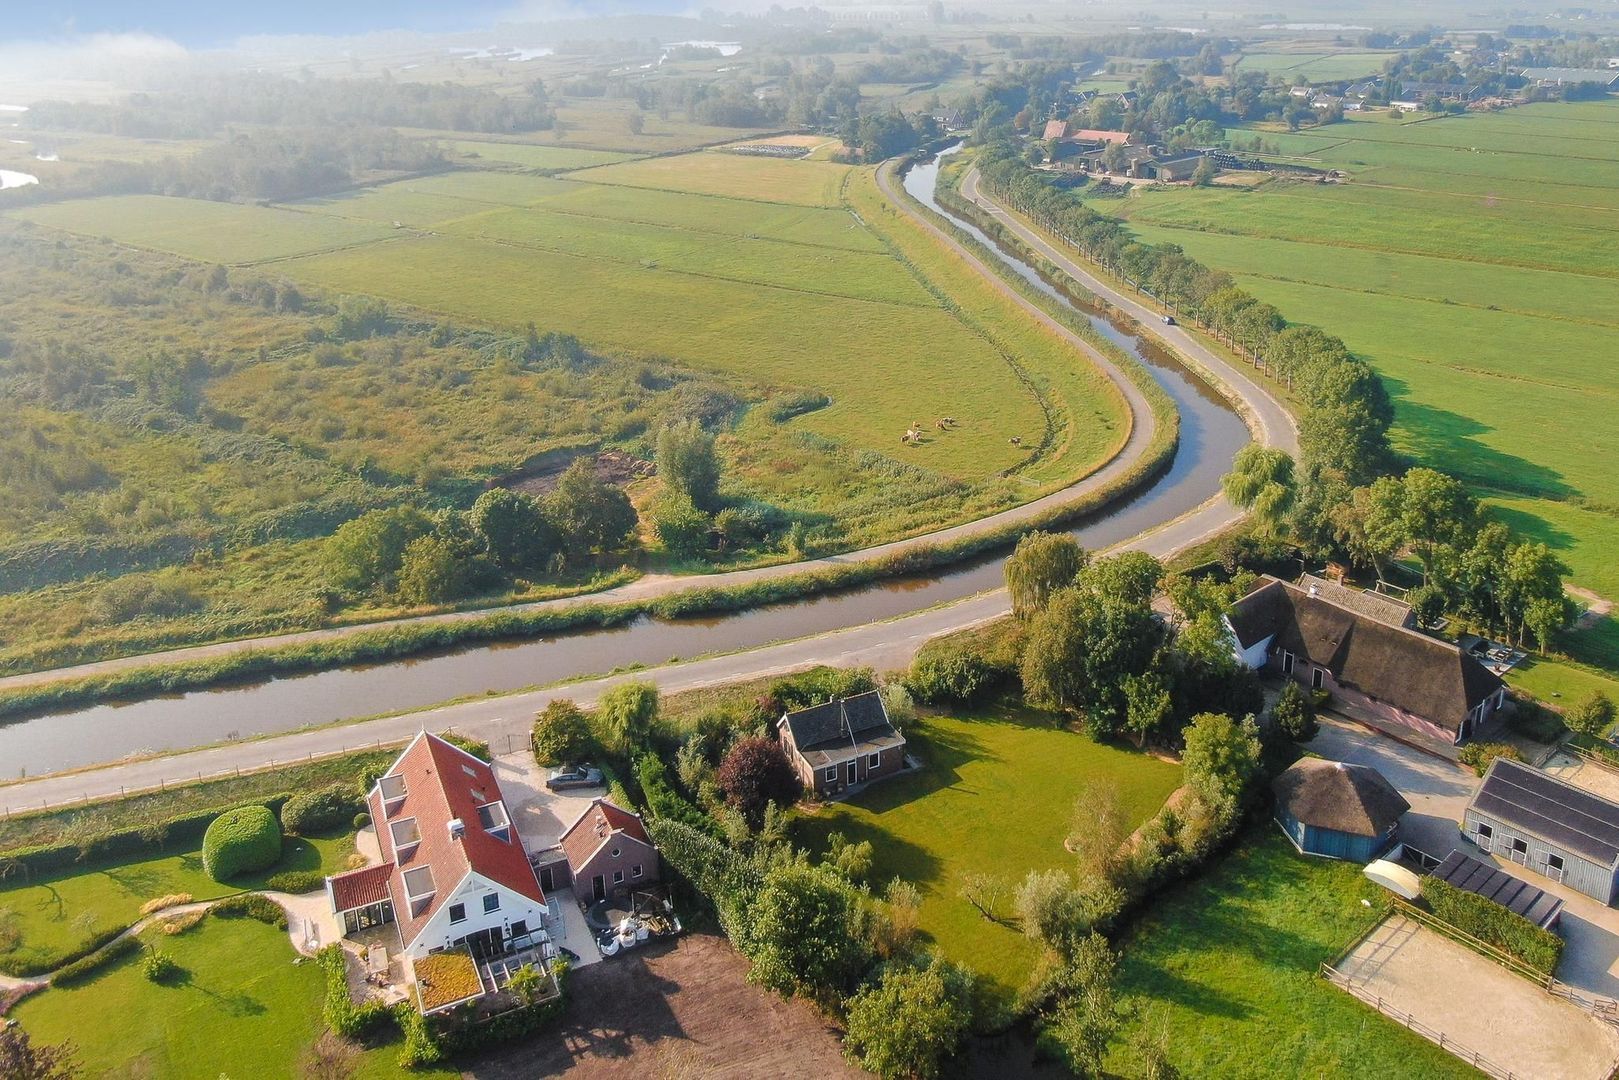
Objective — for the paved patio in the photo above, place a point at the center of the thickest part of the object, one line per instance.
(539, 813)
(1473, 1001)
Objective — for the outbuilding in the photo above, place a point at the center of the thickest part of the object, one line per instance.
(1338, 810)
(1550, 826)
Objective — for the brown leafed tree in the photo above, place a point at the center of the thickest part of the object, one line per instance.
(756, 773)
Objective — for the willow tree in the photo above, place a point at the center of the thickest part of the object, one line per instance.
(1261, 481)
(1041, 564)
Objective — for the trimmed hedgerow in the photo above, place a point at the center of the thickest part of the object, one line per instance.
(240, 841)
(296, 881)
(251, 906)
(341, 1014)
(81, 969)
(317, 811)
(1494, 925)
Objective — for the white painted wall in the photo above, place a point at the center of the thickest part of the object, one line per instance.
(1252, 657)
(440, 932)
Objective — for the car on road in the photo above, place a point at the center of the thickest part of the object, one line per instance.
(1169, 320)
(573, 776)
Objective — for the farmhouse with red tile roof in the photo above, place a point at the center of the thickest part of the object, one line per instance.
(453, 870)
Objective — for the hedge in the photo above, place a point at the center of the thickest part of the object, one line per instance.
(1494, 925)
(296, 881)
(341, 1014)
(24, 962)
(240, 841)
(85, 966)
(321, 810)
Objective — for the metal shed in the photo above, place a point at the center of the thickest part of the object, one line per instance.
(1551, 827)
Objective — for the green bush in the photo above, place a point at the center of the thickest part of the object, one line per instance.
(479, 750)
(297, 881)
(159, 967)
(420, 1048)
(81, 969)
(251, 906)
(362, 820)
(321, 810)
(1494, 925)
(1534, 721)
(964, 667)
(241, 841)
(1479, 755)
(341, 1014)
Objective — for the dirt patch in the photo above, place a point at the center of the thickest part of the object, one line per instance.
(1596, 608)
(679, 1009)
(610, 466)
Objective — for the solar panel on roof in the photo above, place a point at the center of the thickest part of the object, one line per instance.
(1514, 894)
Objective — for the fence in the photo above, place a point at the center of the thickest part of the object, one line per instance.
(1411, 1023)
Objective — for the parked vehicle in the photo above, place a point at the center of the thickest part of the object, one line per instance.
(1169, 320)
(573, 776)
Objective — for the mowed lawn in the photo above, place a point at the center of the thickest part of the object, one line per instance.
(1229, 959)
(214, 232)
(994, 796)
(243, 1007)
(57, 912)
(1474, 261)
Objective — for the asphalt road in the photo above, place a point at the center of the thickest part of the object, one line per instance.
(504, 721)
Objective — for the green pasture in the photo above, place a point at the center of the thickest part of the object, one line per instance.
(243, 1006)
(1474, 261)
(887, 364)
(54, 913)
(1314, 67)
(604, 124)
(740, 176)
(533, 156)
(1230, 960)
(214, 232)
(969, 810)
(867, 275)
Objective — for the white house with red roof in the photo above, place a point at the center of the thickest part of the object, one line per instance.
(608, 851)
(454, 871)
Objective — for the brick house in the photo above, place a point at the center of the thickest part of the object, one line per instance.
(454, 872)
(608, 851)
(1363, 650)
(842, 742)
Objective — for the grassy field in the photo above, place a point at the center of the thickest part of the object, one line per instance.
(993, 797)
(1232, 958)
(801, 183)
(242, 1008)
(58, 912)
(532, 156)
(213, 232)
(1474, 261)
(1314, 67)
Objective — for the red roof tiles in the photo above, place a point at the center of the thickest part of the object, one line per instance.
(361, 888)
(600, 820)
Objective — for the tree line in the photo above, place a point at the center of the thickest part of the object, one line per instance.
(1351, 497)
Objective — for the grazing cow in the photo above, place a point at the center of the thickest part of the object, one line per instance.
(1017, 440)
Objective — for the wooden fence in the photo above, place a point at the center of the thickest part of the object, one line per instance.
(1411, 1023)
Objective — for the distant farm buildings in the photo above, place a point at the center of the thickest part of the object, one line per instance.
(1552, 78)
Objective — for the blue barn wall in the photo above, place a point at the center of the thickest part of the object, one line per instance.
(1331, 843)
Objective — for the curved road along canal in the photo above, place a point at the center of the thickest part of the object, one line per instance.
(879, 625)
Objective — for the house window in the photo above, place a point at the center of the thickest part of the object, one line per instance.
(618, 877)
(614, 853)
(1316, 676)
(1484, 832)
(1287, 662)
(405, 834)
(874, 760)
(832, 775)
(635, 871)
(458, 913)
(491, 903)
(1554, 862)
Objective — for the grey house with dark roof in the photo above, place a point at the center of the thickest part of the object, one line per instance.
(842, 742)
(1358, 648)
(1533, 819)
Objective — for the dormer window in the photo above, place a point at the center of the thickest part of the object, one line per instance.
(492, 816)
(393, 791)
(406, 836)
(418, 888)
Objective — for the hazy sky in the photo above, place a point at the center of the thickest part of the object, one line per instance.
(214, 22)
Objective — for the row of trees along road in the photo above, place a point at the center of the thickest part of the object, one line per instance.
(1350, 496)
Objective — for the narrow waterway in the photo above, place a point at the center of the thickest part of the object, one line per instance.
(1210, 433)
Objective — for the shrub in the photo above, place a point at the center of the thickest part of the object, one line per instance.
(161, 902)
(1593, 715)
(1479, 755)
(420, 1047)
(241, 841)
(1534, 721)
(159, 967)
(910, 1022)
(479, 750)
(1494, 925)
(561, 734)
(362, 820)
(317, 811)
(756, 773)
(964, 667)
(179, 924)
(297, 881)
(340, 1013)
(1293, 713)
(81, 969)
(251, 906)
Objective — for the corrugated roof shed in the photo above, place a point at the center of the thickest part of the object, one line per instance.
(1566, 816)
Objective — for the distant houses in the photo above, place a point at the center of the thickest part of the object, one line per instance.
(1363, 649)
(1555, 78)
(841, 743)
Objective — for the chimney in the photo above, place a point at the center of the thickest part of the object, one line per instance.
(458, 828)
(1314, 590)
